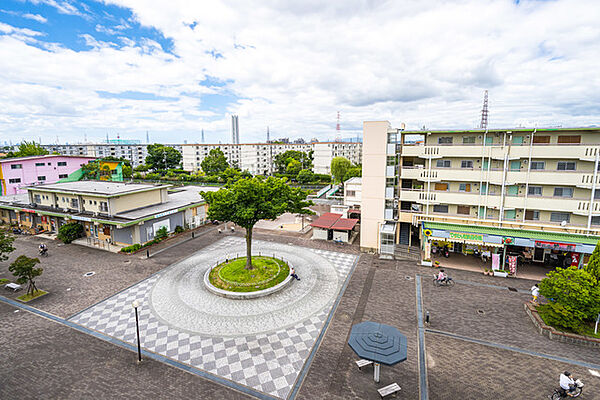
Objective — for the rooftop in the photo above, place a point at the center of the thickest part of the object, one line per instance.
(355, 180)
(591, 129)
(45, 156)
(103, 188)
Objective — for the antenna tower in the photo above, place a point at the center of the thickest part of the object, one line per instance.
(338, 133)
(268, 135)
(203, 135)
(484, 111)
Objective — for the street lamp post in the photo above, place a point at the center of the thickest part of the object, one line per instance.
(135, 305)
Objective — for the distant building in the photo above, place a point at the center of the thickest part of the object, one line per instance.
(17, 173)
(235, 130)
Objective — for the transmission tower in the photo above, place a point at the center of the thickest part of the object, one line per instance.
(484, 111)
(338, 133)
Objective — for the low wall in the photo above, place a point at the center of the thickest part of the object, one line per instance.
(553, 334)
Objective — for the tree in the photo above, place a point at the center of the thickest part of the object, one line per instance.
(6, 241)
(293, 167)
(127, 171)
(574, 298)
(249, 200)
(283, 160)
(69, 232)
(161, 157)
(339, 168)
(32, 148)
(141, 168)
(214, 163)
(305, 176)
(23, 269)
(355, 170)
(593, 265)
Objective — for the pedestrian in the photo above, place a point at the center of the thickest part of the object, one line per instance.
(535, 292)
(293, 273)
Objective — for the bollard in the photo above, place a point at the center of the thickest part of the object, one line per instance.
(147, 253)
(192, 235)
(427, 317)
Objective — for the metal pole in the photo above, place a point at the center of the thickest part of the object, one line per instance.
(137, 327)
(376, 372)
(593, 194)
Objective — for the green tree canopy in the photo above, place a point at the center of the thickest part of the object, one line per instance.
(293, 167)
(32, 148)
(249, 200)
(214, 163)
(23, 269)
(127, 171)
(305, 176)
(355, 170)
(339, 168)
(282, 161)
(593, 265)
(161, 157)
(575, 298)
(69, 232)
(6, 241)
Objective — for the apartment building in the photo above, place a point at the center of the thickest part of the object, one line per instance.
(484, 190)
(114, 212)
(324, 152)
(193, 154)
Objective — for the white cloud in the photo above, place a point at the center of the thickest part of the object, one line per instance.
(293, 65)
(36, 17)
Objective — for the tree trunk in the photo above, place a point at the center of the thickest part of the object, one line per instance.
(248, 249)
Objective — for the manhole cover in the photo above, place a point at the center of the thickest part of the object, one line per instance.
(91, 273)
(480, 312)
(408, 278)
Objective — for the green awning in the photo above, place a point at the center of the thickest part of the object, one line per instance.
(520, 233)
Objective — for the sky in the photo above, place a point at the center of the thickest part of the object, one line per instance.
(72, 71)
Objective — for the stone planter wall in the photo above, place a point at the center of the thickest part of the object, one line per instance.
(553, 334)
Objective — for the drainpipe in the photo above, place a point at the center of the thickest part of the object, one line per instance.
(592, 195)
(528, 173)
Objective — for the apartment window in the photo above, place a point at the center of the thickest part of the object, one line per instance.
(563, 192)
(570, 139)
(14, 180)
(537, 165)
(566, 166)
(445, 140)
(444, 164)
(41, 178)
(62, 176)
(560, 217)
(74, 203)
(532, 215)
(464, 210)
(103, 206)
(441, 186)
(16, 166)
(534, 191)
(466, 164)
(541, 139)
(596, 220)
(39, 164)
(37, 198)
(597, 194)
(49, 163)
(464, 187)
(441, 208)
(468, 139)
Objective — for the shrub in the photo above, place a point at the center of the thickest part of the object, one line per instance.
(69, 232)
(162, 233)
(131, 249)
(179, 229)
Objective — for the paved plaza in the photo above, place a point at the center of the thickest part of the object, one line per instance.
(480, 344)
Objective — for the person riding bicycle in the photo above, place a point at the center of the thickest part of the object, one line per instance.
(442, 277)
(567, 384)
(43, 248)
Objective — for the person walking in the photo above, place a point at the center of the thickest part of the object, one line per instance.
(535, 293)
(293, 273)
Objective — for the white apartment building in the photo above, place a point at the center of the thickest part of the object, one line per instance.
(533, 189)
(324, 152)
(353, 192)
(193, 154)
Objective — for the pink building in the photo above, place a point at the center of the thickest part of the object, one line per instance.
(16, 173)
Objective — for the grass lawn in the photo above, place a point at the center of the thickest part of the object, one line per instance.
(266, 272)
(27, 297)
(4, 281)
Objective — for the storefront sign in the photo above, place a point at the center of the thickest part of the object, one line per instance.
(27, 210)
(508, 240)
(512, 264)
(555, 246)
(465, 236)
(165, 213)
(427, 232)
(575, 259)
(78, 218)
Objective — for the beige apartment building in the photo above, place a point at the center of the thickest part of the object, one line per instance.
(480, 190)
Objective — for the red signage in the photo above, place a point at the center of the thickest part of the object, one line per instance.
(555, 246)
(26, 210)
(575, 259)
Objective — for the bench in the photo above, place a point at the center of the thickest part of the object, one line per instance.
(12, 286)
(363, 363)
(389, 389)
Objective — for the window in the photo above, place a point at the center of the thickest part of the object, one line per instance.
(37, 198)
(597, 194)
(445, 140)
(534, 191)
(49, 163)
(39, 164)
(466, 164)
(468, 139)
(16, 166)
(62, 176)
(596, 220)
(560, 217)
(537, 165)
(74, 203)
(441, 186)
(104, 206)
(441, 208)
(566, 166)
(14, 180)
(41, 178)
(464, 187)
(563, 192)
(350, 193)
(62, 164)
(541, 139)
(532, 215)
(515, 165)
(445, 164)
(464, 210)
(570, 139)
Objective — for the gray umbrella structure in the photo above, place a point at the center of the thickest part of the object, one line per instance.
(380, 343)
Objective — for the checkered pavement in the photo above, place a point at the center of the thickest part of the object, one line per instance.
(267, 362)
